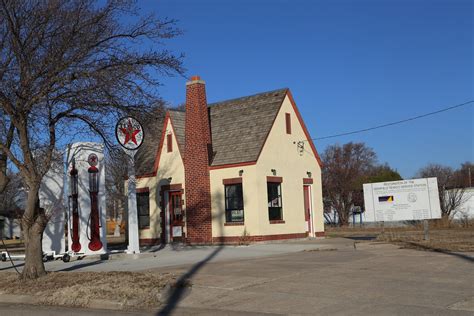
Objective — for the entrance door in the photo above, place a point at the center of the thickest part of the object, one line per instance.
(176, 216)
(307, 208)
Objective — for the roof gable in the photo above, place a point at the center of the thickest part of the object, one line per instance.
(239, 129)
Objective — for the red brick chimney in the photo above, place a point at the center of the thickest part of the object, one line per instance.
(196, 164)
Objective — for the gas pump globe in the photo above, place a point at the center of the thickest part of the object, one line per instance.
(95, 243)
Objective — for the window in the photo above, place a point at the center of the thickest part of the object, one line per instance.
(169, 142)
(234, 203)
(274, 201)
(143, 207)
(288, 123)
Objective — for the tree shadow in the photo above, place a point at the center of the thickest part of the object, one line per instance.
(368, 238)
(181, 285)
(12, 267)
(440, 250)
(80, 266)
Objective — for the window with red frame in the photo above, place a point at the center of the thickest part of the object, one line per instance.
(288, 123)
(169, 142)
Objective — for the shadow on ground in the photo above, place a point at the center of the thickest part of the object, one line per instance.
(81, 265)
(182, 284)
(12, 267)
(446, 252)
(362, 238)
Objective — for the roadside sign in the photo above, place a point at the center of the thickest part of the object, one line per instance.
(415, 199)
(129, 133)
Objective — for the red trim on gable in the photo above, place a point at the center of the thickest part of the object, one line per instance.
(233, 165)
(308, 136)
(160, 146)
(177, 142)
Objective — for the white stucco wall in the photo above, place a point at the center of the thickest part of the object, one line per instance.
(279, 153)
(170, 165)
(251, 215)
(51, 197)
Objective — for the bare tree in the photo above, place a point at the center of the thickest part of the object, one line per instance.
(344, 169)
(9, 195)
(69, 68)
(451, 187)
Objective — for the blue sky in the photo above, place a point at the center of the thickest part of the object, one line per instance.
(349, 65)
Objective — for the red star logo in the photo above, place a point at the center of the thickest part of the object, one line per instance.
(130, 133)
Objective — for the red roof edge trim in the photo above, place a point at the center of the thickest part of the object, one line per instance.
(160, 146)
(308, 136)
(233, 165)
(174, 133)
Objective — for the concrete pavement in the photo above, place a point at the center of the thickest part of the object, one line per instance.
(378, 279)
(173, 255)
(307, 277)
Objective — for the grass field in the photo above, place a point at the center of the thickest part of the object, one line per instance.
(143, 289)
(458, 239)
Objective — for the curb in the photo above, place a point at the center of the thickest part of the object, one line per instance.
(34, 300)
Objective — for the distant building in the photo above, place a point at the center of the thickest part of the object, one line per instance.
(242, 169)
(466, 209)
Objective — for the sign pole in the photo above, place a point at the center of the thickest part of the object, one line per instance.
(130, 135)
(133, 239)
(426, 229)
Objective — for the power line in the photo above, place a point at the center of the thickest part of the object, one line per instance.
(396, 122)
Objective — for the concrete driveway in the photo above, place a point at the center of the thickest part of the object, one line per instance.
(310, 277)
(374, 279)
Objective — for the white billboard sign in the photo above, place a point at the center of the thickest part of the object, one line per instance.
(414, 199)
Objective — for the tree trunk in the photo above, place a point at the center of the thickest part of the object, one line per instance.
(33, 222)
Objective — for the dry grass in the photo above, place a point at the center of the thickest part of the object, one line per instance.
(143, 289)
(457, 239)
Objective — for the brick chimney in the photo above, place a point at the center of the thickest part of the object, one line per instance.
(196, 164)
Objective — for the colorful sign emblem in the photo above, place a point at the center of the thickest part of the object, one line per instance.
(129, 133)
(93, 160)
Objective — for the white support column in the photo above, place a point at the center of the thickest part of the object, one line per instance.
(133, 233)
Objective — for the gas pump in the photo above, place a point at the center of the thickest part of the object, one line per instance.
(76, 245)
(95, 243)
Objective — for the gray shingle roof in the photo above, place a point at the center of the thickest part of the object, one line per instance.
(178, 120)
(146, 154)
(239, 128)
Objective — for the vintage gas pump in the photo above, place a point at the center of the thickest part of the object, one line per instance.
(95, 243)
(76, 245)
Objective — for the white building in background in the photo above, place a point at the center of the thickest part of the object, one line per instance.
(466, 210)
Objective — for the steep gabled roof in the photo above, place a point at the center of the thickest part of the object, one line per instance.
(239, 129)
(178, 120)
(240, 126)
(146, 154)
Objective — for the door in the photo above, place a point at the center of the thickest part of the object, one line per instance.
(176, 216)
(307, 208)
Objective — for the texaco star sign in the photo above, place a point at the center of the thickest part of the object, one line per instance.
(129, 133)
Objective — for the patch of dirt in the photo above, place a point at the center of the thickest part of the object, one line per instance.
(145, 289)
(456, 239)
